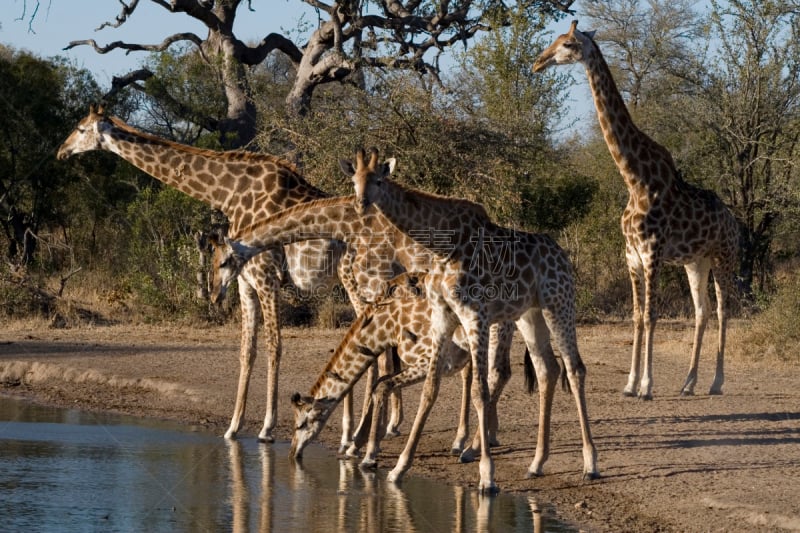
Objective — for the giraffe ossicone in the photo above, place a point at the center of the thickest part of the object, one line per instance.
(666, 220)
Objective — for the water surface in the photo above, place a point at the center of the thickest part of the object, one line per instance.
(66, 470)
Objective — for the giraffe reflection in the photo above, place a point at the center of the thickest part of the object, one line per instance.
(335, 496)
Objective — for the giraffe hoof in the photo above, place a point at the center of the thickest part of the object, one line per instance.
(646, 397)
(490, 490)
(467, 456)
(685, 392)
(455, 451)
(590, 476)
(368, 465)
(393, 432)
(266, 439)
(715, 392)
(352, 452)
(629, 394)
(531, 474)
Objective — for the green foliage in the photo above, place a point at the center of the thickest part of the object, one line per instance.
(554, 205)
(162, 257)
(774, 332)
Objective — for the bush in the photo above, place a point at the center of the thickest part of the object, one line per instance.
(774, 333)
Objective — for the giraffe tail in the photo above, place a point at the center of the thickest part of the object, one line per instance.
(531, 384)
(530, 373)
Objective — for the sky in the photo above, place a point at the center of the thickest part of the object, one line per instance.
(60, 21)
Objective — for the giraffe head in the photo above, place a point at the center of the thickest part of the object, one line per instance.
(571, 47)
(310, 415)
(228, 258)
(368, 177)
(87, 135)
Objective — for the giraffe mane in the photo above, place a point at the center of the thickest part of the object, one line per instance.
(229, 155)
(474, 207)
(327, 371)
(372, 165)
(665, 154)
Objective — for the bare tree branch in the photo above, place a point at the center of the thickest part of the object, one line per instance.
(127, 10)
(120, 82)
(273, 41)
(138, 47)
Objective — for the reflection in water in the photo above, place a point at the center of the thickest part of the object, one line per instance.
(76, 471)
(334, 495)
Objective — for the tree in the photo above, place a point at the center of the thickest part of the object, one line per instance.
(747, 100)
(350, 35)
(38, 99)
(646, 42)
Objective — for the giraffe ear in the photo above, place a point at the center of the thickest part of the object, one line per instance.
(589, 34)
(388, 166)
(347, 167)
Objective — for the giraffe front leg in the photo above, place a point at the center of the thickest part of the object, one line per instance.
(632, 386)
(414, 373)
(430, 391)
(463, 419)
(429, 358)
(268, 295)
(501, 336)
(650, 318)
(247, 354)
(346, 445)
(476, 323)
(382, 390)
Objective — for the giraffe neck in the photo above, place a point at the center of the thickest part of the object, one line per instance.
(327, 218)
(437, 222)
(348, 363)
(235, 182)
(630, 147)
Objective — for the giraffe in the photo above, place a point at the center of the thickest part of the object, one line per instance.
(400, 319)
(377, 243)
(245, 186)
(486, 274)
(666, 220)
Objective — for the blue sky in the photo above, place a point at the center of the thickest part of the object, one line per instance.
(60, 21)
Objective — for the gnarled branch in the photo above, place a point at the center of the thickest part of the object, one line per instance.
(129, 47)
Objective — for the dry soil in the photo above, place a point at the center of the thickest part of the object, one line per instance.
(701, 463)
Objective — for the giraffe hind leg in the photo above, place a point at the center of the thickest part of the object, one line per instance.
(724, 285)
(697, 273)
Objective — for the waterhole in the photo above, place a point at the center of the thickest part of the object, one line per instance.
(67, 470)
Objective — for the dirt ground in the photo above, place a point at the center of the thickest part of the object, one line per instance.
(702, 463)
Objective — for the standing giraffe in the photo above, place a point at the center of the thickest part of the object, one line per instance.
(666, 221)
(245, 186)
(400, 318)
(486, 274)
(373, 241)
